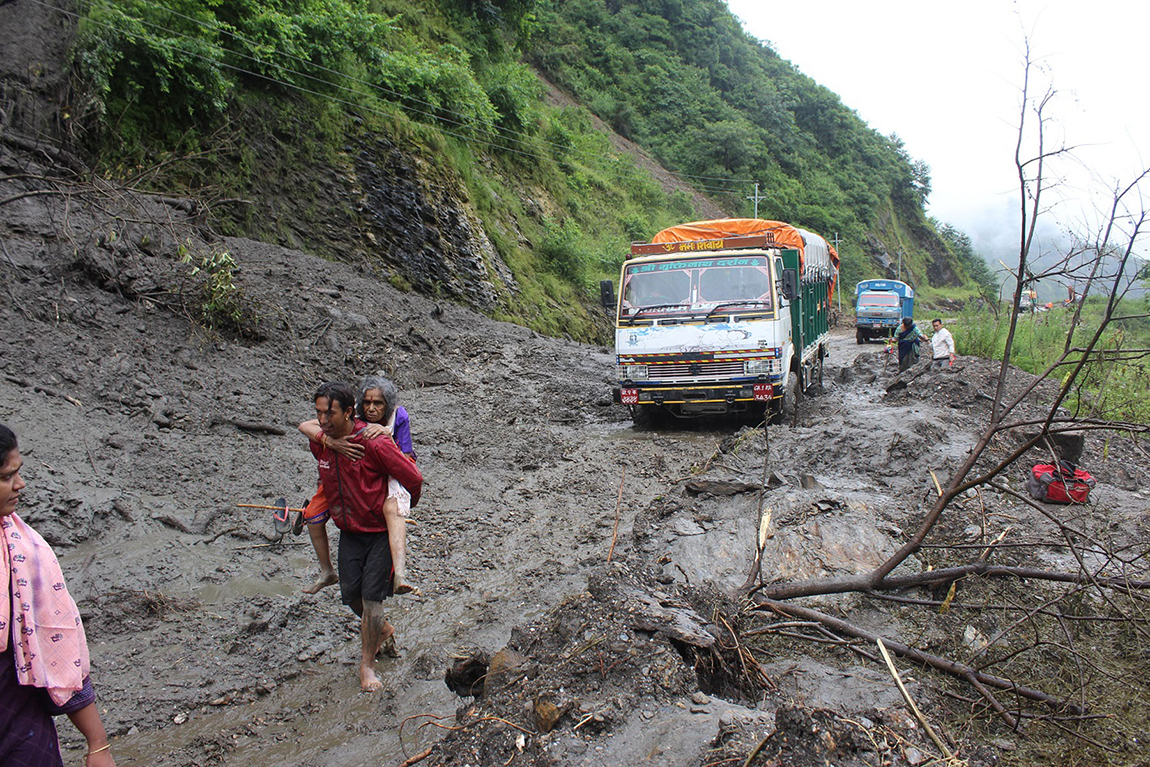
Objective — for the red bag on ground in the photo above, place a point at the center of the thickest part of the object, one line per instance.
(1063, 483)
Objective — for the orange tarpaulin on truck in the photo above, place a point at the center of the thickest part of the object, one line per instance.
(784, 236)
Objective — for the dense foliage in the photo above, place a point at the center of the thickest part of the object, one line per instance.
(679, 77)
(683, 79)
(1112, 386)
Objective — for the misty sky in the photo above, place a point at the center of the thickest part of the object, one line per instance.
(946, 78)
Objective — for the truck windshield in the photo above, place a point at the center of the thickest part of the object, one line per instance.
(691, 287)
(878, 299)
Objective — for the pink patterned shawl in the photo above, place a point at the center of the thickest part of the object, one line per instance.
(50, 649)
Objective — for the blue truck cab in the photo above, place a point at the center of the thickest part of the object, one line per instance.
(880, 306)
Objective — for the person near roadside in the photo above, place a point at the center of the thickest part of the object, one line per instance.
(377, 405)
(355, 492)
(941, 346)
(909, 337)
(43, 651)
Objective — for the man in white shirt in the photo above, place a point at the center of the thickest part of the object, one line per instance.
(942, 346)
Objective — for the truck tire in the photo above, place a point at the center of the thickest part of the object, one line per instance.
(860, 337)
(647, 416)
(789, 407)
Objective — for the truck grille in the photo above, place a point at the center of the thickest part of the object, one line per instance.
(710, 370)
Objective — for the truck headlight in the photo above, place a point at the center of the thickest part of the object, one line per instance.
(632, 372)
(760, 367)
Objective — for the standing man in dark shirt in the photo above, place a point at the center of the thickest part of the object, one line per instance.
(356, 492)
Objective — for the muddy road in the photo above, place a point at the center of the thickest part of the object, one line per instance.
(141, 431)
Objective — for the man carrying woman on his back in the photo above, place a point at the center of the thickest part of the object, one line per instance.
(376, 405)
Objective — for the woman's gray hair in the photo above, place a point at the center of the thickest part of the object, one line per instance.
(389, 391)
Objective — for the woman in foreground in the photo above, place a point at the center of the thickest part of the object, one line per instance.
(43, 652)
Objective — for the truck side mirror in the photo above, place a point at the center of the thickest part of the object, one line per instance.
(790, 284)
(607, 294)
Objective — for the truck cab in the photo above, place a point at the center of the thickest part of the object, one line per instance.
(880, 306)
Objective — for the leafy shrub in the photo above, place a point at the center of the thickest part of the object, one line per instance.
(222, 305)
(158, 69)
(440, 84)
(562, 251)
(514, 92)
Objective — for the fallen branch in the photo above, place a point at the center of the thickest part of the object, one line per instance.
(44, 389)
(257, 428)
(758, 747)
(417, 758)
(961, 670)
(984, 568)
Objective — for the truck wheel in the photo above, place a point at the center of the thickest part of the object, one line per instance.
(646, 416)
(860, 337)
(789, 407)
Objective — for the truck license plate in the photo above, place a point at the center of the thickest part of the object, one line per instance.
(629, 396)
(762, 392)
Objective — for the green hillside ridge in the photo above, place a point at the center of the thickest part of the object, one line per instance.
(416, 138)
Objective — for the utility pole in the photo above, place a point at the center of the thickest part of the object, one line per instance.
(900, 264)
(836, 242)
(756, 199)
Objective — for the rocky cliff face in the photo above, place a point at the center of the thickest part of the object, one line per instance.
(419, 219)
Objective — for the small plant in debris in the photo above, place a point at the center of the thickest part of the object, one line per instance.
(222, 303)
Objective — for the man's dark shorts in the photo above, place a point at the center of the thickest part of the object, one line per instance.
(365, 570)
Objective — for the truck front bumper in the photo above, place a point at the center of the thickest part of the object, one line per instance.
(689, 397)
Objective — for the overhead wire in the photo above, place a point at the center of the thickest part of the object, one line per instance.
(434, 116)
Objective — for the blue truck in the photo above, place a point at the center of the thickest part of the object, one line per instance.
(880, 306)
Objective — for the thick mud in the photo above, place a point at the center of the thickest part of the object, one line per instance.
(591, 563)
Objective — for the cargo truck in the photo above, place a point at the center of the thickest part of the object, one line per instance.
(717, 317)
(880, 306)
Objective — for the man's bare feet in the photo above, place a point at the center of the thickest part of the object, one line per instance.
(402, 586)
(325, 580)
(368, 681)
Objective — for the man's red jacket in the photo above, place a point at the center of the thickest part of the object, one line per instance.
(356, 490)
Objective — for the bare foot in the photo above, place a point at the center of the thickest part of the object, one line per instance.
(402, 586)
(368, 681)
(325, 580)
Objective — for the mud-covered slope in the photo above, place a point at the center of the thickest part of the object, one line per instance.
(142, 429)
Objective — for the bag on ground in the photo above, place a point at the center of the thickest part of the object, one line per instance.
(1059, 483)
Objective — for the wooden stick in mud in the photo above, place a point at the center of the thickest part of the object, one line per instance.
(618, 504)
(764, 522)
(409, 520)
(417, 758)
(946, 752)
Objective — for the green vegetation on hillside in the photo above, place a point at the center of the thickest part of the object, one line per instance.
(176, 88)
(723, 109)
(1112, 386)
